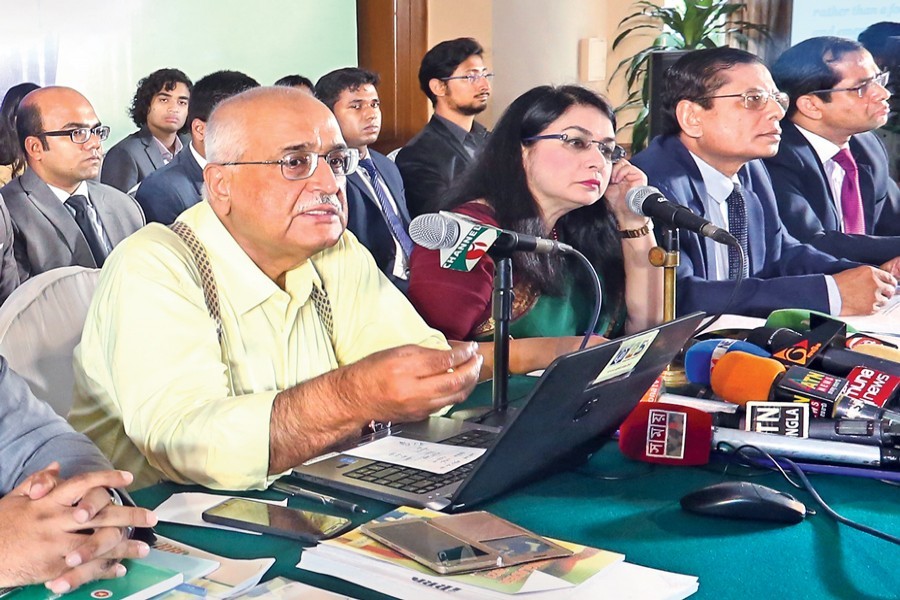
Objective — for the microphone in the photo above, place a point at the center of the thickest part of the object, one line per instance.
(701, 357)
(792, 348)
(741, 378)
(679, 435)
(649, 201)
(439, 230)
(791, 419)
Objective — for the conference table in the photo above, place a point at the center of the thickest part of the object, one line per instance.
(630, 507)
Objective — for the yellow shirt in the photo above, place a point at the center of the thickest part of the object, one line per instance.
(159, 395)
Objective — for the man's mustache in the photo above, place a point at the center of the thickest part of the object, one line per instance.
(319, 201)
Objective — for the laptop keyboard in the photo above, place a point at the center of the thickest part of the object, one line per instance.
(418, 481)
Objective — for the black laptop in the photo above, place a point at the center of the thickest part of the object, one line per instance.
(579, 401)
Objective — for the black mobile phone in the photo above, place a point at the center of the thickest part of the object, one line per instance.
(303, 525)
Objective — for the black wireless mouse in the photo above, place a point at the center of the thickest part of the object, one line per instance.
(744, 500)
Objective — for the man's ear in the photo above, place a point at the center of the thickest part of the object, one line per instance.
(34, 148)
(437, 87)
(198, 128)
(690, 118)
(218, 188)
(810, 106)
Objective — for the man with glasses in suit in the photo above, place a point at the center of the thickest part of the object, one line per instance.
(831, 175)
(61, 215)
(455, 79)
(721, 114)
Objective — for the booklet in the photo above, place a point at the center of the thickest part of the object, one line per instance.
(140, 582)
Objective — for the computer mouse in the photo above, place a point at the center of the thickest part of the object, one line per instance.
(744, 500)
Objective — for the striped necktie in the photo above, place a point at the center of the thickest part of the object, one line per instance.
(395, 223)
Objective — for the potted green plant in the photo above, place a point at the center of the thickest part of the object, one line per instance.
(695, 24)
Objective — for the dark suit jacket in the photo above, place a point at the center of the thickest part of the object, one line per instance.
(368, 223)
(783, 272)
(430, 163)
(807, 206)
(46, 234)
(168, 192)
(9, 272)
(128, 162)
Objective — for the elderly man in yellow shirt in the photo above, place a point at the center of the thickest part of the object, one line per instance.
(260, 333)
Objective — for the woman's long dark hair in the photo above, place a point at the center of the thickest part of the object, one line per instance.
(10, 151)
(498, 177)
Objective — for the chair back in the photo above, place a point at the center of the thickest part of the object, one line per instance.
(40, 325)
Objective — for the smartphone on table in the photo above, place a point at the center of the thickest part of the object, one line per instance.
(303, 525)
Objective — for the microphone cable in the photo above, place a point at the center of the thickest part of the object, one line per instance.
(808, 486)
(598, 297)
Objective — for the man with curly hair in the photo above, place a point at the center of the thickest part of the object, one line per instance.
(159, 108)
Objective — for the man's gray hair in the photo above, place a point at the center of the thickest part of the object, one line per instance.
(225, 138)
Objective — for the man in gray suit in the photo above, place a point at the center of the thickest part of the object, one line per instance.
(59, 523)
(60, 215)
(159, 108)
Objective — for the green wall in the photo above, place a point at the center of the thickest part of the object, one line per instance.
(103, 47)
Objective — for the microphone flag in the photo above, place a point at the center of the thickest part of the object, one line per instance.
(475, 239)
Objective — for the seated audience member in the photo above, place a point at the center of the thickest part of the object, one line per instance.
(830, 174)
(59, 522)
(159, 108)
(12, 163)
(552, 169)
(376, 204)
(9, 270)
(167, 192)
(882, 40)
(302, 341)
(297, 81)
(61, 215)
(721, 114)
(454, 78)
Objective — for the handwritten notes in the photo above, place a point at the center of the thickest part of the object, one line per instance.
(427, 456)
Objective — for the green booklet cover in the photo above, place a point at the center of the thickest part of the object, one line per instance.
(140, 582)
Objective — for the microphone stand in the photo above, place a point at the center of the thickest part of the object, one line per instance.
(501, 312)
(668, 256)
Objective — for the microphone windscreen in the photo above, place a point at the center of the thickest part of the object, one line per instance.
(796, 319)
(885, 352)
(667, 434)
(434, 231)
(701, 358)
(635, 197)
(741, 378)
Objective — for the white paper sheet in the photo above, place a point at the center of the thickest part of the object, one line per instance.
(427, 456)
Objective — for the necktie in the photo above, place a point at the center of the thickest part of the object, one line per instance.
(391, 216)
(851, 201)
(471, 144)
(98, 249)
(737, 225)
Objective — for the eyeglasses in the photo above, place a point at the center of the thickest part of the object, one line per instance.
(862, 89)
(472, 77)
(302, 165)
(757, 100)
(612, 153)
(80, 135)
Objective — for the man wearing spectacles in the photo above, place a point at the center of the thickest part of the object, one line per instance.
(159, 108)
(721, 114)
(61, 215)
(170, 190)
(376, 201)
(306, 341)
(830, 175)
(455, 79)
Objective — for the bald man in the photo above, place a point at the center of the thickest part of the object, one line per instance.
(60, 215)
(306, 343)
